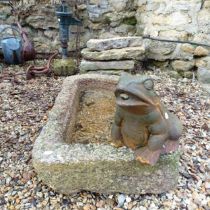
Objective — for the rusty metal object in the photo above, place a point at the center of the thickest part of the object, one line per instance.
(32, 70)
(12, 77)
(28, 51)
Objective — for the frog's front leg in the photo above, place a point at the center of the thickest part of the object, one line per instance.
(151, 152)
(116, 131)
(116, 136)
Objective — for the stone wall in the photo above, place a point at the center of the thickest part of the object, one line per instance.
(128, 53)
(101, 18)
(181, 19)
(186, 20)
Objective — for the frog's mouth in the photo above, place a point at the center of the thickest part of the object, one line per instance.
(125, 99)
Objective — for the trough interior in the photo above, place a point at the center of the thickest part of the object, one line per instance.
(94, 117)
(91, 112)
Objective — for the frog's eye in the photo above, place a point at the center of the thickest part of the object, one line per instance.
(149, 84)
(124, 96)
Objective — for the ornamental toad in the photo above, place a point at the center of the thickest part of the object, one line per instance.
(141, 121)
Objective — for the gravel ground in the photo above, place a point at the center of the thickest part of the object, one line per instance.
(24, 106)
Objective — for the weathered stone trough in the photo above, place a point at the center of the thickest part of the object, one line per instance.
(70, 168)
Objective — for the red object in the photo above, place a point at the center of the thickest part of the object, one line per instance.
(28, 52)
(32, 70)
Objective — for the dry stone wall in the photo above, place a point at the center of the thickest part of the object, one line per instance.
(180, 59)
(101, 18)
(186, 20)
(180, 19)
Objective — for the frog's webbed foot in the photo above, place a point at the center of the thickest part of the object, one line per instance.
(146, 156)
(170, 146)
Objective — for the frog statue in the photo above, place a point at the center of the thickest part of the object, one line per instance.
(141, 121)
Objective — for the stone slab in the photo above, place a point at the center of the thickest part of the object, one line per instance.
(206, 87)
(69, 168)
(182, 65)
(203, 75)
(159, 51)
(128, 53)
(106, 65)
(114, 43)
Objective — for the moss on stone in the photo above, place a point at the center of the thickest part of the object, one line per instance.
(174, 74)
(107, 20)
(186, 74)
(130, 21)
(64, 67)
(111, 176)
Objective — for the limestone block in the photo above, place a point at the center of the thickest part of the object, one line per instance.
(174, 74)
(186, 74)
(201, 51)
(203, 17)
(139, 3)
(174, 34)
(203, 75)
(183, 5)
(182, 65)
(51, 34)
(188, 48)
(119, 16)
(203, 62)
(200, 63)
(154, 6)
(133, 53)
(201, 37)
(105, 72)
(42, 44)
(107, 35)
(69, 168)
(97, 9)
(174, 19)
(160, 50)
(5, 12)
(183, 52)
(118, 5)
(42, 18)
(97, 2)
(206, 4)
(206, 87)
(29, 2)
(114, 43)
(125, 29)
(106, 65)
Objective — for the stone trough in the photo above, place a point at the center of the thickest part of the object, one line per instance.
(71, 167)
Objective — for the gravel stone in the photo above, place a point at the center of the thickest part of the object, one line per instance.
(121, 200)
(36, 99)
